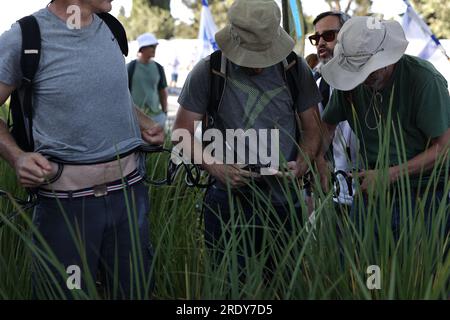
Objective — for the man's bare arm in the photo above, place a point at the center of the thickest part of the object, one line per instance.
(151, 132)
(426, 160)
(327, 137)
(310, 139)
(8, 147)
(185, 120)
(163, 95)
(31, 168)
(322, 165)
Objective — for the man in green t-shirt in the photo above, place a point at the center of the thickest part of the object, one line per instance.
(147, 80)
(398, 106)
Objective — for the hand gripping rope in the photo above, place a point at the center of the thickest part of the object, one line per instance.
(193, 172)
(193, 178)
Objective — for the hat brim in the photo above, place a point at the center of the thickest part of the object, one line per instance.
(148, 45)
(345, 80)
(280, 49)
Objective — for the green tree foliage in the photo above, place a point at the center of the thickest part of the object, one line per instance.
(154, 16)
(163, 4)
(436, 14)
(184, 30)
(352, 7)
(146, 18)
(362, 6)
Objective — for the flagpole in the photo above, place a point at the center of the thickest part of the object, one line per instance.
(302, 44)
(285, 10)
(427, 30)
(293, 9)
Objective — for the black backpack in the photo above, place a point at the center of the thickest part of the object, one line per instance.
(132, 66)
(217, 84)
(20, 119)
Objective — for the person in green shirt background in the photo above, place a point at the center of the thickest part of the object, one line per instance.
(374, 79)
(147, 80)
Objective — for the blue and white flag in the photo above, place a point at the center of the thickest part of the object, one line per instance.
(206, 32)
(423, 43)
(419, 34)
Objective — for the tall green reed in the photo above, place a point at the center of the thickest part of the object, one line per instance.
(326, 259)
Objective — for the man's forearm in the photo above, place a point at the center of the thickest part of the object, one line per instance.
(420, 163)
(8, 147)
(310, 146)
(193, 151)
(145, 122)
(311, 137)
(327, 138)
(163, 99)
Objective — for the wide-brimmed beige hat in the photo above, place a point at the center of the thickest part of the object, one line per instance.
(254, 38)
(364, 44)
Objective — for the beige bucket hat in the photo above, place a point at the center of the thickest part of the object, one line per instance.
(253, 37)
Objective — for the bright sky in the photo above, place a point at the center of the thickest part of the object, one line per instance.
(10, 11)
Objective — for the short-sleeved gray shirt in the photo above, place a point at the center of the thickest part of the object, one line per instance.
(83, 110)
(260, 101)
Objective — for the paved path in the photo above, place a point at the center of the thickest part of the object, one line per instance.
(173, 108)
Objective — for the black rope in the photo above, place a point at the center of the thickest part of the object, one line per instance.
(23, 204)
(193, 178)
(193, 172)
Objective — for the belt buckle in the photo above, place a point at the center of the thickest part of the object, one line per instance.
(100, 190)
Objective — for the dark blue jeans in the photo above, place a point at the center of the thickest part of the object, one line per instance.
(432, 202)
(250, 225)
(106, 236)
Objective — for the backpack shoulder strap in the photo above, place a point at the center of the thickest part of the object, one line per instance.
(160, 70)
(160, 67)
(21, 103)
(162, 84)
(217, 71)
(117, 30)
(31, 48)
(290, 69)
(291, 73)
(131, 67)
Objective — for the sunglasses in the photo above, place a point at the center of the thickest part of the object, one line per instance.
(328, 36)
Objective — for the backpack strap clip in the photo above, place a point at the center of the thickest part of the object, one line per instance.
(288, 66)
(26, 82)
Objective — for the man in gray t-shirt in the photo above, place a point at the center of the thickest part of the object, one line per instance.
(83, 115)
(256, 96)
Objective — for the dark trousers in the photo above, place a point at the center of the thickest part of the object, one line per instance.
(250, 221)
(431, 202)
(108, 235)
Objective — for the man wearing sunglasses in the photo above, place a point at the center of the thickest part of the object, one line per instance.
(343, 151)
